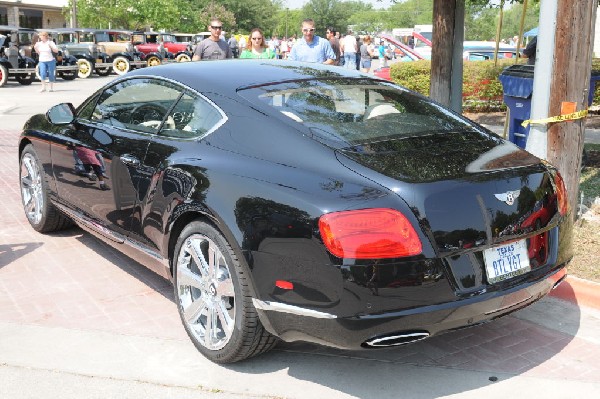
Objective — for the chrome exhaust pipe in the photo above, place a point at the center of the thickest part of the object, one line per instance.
(396, 339)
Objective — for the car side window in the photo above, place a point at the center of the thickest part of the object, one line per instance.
(137, 104)
(192, 116)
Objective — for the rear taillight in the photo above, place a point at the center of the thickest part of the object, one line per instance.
(369, 234)
(561, 194)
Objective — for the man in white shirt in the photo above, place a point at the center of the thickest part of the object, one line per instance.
(349, 48)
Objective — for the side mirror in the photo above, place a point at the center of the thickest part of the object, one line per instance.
(61, 114)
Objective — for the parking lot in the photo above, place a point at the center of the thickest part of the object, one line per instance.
(79, 319)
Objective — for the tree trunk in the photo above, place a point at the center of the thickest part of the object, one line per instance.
(570, 83)
(441, 52)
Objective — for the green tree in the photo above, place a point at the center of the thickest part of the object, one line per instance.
(481, 18)
(195, 15)
(287, 22)
(251, 14)
(326, 13)
(127, 14)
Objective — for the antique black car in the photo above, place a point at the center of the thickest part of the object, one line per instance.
(19, 60)
(99, 51)
(300, 202)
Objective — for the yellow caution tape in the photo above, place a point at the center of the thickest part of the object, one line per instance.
(567, 117)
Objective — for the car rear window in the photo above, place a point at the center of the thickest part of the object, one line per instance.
(356, 111)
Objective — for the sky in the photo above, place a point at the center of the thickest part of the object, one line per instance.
(295, 4)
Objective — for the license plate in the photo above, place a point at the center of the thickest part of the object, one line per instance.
(506, 261)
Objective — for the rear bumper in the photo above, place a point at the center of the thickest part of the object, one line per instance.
(292, 323)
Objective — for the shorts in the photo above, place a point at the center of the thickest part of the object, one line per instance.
(365, 64)
(48, 70)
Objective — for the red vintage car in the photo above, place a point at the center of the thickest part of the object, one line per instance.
(181, 51)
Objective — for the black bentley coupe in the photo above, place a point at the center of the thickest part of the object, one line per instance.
(300, 202)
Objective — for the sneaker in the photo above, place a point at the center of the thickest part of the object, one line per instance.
(104, 187)
(43, 90)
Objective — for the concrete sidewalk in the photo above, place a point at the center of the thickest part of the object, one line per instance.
(80, 320)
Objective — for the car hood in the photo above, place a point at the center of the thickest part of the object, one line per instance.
(463, 186)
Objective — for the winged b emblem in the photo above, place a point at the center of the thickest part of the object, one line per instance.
(509, 197)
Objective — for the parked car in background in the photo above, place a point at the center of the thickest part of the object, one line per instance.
(83, 45)
(18, 58)
(118, 46)
(182, 52)
(186, 38)
(13, 61)
(401, 51)
(481, 50)
(99, 51)
(373, 220)
(155, 52)
(121, 45)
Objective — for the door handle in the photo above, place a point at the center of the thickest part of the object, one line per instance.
(130, 160)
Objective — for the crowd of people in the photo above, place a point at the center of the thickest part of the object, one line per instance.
(349, 51)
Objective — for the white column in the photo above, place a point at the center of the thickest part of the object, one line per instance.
(537, 142)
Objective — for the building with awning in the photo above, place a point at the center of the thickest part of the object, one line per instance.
(37, 14)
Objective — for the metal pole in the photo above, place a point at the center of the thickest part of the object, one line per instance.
(521, 27)
(537, 142)
(286, 22)
(74, 14)
(499, 32)
(456, 78)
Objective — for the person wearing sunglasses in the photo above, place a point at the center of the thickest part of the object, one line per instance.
(258, 48)
(213, 47)
(312, 48)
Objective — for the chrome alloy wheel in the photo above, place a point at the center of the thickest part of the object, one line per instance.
(206, 292)
(31, 188)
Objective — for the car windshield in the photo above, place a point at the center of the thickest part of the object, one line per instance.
(120, 37)
(168, 38)
(357, 111)
(86, 37)
(102, 37)
(65, 38)
(25, 38)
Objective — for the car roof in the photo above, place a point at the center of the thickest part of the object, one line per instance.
(227, 76)
(89, 30)
(14, 28)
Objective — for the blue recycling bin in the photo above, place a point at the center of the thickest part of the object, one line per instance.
(517, 85)
(593, 80)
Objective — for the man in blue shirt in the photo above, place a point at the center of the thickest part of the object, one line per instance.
(312, 48)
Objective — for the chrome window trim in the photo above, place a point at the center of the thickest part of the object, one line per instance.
(177, 84)
(285, 308)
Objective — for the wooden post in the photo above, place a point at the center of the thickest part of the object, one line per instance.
(441, 52)
(499, 32)
(570, 83)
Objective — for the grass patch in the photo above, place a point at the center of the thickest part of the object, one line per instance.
(589, 183)
(586, 231)
(586, 247)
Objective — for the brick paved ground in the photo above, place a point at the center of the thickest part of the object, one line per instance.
(71, 280)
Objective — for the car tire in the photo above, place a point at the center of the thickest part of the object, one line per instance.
(3, 75)
(85, 68)
(153, 61)
(103, 71)
(24, 78)
(183, 58)
(121, 65)
(216, 294)
(40, 212)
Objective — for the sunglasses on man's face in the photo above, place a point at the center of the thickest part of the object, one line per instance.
(308, 30)
(216, 27)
